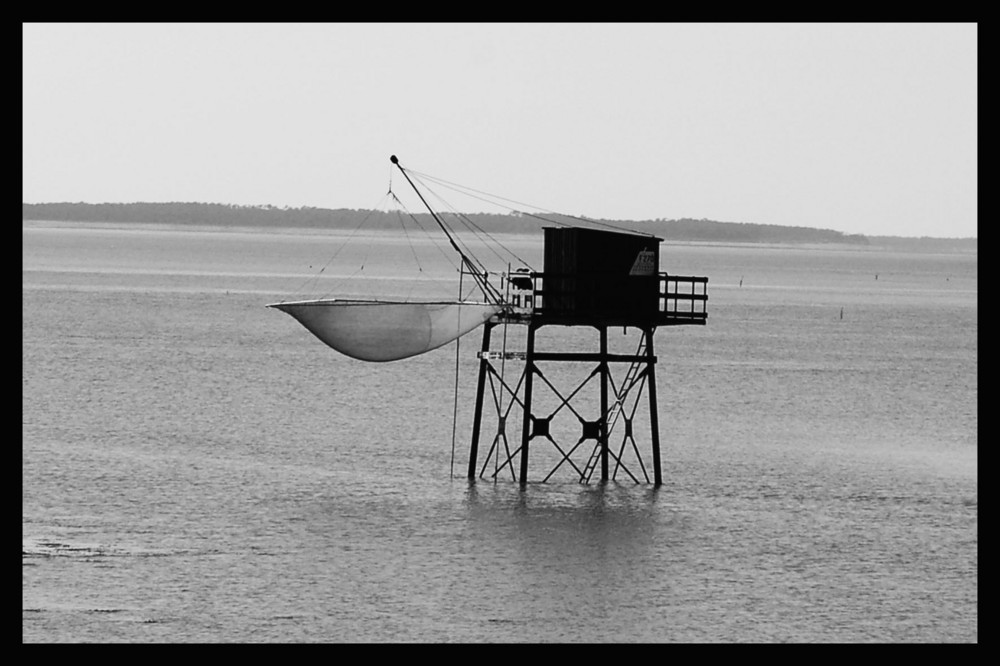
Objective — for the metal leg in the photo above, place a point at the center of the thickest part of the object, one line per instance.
(604, 403)
(654, 424)
(477, 418)
(529, 371)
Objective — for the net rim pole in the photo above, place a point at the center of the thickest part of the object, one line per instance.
(458, 347)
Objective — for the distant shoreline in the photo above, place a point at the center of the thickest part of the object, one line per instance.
(305, 220)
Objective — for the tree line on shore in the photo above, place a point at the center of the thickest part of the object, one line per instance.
(215, 214)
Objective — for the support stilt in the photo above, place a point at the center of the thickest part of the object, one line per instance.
(604, 403)
(641, 373)
(529, 371)
(484, 365)
(654, 424)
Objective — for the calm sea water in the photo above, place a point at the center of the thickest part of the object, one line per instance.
(196, 467)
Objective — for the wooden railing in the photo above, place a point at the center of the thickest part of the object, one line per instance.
(661, 299)
(687, 300)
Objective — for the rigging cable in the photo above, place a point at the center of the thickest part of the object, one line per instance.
(454, 415)
(489, 291)
(463, 188)
(474, 228)
(433, 237)
(413, 251)
(310, 281)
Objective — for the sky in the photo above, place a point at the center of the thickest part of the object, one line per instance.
(860, 128)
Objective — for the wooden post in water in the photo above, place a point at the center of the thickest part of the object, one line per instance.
(604, 403)
(654, 424)
(484, 365)
(526, 424)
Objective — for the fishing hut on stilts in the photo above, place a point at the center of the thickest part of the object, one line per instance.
(596, 280)
(600, 280)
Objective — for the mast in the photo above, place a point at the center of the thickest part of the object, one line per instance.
(480, 278)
